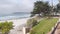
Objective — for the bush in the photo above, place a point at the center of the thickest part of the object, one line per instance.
(5, 27)
(31, 22)
(32, 32)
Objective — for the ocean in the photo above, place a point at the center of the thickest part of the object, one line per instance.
(16, 15)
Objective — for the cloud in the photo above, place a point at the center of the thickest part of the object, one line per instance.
(10, 6)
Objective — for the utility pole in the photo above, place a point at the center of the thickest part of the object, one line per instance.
(52, 2)
(59, 1)
(52, 6)
(40, 0)
(59, 5)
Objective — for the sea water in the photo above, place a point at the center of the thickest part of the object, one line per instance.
(14, 16)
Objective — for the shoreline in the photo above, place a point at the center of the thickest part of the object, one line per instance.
(13, 19)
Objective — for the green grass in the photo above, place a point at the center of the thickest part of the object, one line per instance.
(44, 26)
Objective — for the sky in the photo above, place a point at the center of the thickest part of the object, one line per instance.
(10, 6)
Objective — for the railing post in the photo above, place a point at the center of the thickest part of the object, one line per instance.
(24, 30)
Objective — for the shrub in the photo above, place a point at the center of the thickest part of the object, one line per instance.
(5, 27)
(31, 22)
(32, 32)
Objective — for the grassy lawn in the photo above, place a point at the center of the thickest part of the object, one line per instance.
(44, 26)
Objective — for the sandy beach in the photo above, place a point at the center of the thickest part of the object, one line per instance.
(18, 24)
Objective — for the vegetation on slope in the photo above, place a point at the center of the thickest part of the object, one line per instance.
(44, 26)
(31, 22)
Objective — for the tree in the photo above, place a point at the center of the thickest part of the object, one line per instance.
(55, 10)
(5, 27)
(41, 7)
(58, 7)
